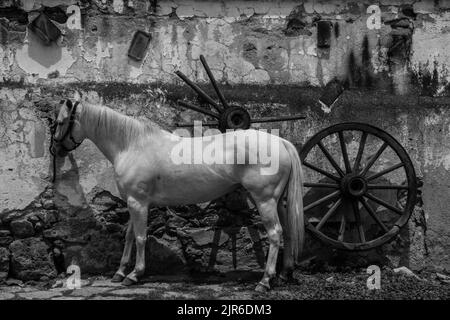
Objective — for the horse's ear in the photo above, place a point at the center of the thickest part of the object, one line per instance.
(57, 107)
(77, 96)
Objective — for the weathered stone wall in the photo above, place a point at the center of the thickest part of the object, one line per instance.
(269, 55)
(245, 41)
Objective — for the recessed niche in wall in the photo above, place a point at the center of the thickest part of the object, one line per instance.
(139, 45)
(324, 34)
(45, 29)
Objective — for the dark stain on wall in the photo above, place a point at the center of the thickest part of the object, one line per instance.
(14, 14)
(399, 43)
(401, 34)
(431, 82)
(337, 30)
(353, 78)
(428, 82)
(367, 65)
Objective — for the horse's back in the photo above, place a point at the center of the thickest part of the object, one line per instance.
(164, 173)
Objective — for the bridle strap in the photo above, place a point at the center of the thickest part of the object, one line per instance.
(69, 131)
(71, 122)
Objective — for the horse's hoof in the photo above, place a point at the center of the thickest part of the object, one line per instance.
(261, 288)
(129, 282)
(117, 278)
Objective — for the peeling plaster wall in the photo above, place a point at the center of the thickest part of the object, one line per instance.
(267, 55)
(244, 41)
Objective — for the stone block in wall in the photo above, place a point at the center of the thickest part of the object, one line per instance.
(4, 263)
(30, 259)
(5, 233)
(99, 255)
(5, 241)
(22, 228)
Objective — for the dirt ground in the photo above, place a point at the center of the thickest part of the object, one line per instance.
(239, 285)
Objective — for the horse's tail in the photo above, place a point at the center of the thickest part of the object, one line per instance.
(294, 191)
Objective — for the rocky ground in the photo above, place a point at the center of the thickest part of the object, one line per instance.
(239, 285)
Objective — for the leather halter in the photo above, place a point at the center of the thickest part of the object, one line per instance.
(68, 133)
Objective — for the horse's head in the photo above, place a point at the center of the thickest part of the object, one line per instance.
(67, 133)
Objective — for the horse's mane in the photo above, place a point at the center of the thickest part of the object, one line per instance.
(102, 120)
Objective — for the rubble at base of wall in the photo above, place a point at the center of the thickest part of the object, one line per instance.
(39, 244)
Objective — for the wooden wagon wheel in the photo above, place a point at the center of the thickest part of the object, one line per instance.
(225, 116)
(353, 215)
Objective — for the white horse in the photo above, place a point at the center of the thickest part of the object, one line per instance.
(146, 176)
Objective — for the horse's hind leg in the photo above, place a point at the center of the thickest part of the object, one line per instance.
(138, 216)
(129, 237)
(269, 217)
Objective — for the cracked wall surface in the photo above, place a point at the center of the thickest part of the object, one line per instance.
(274, 57)
(245, 41)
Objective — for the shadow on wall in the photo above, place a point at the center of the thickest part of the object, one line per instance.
(82, 237)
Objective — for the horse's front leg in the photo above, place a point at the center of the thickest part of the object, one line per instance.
(129, 237)
(138, 215)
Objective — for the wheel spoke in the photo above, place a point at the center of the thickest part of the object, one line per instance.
(373, 214)
(362, 144)
(321, 185)
(325, 173)
(344, 152)
(328, 214)
(374, 158)
(383, 203)
(342, 228)
(322, 200)
(330, 159)
(359, 225)
(187, 105)
(385, 171)
(197, 89)
(214, 84)
(387, 186)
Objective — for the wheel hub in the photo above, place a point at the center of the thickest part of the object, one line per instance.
(353, 185)
(234, 117)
